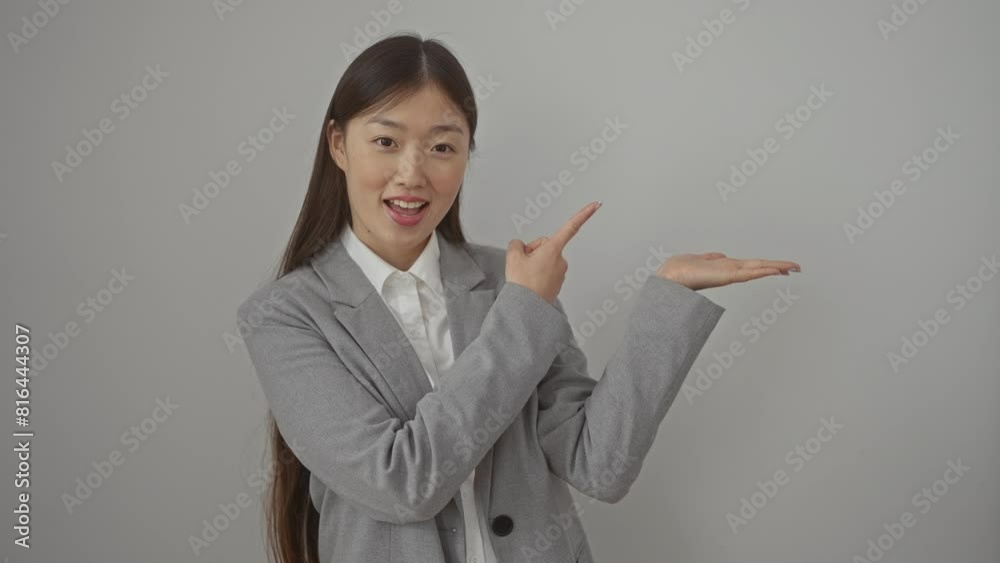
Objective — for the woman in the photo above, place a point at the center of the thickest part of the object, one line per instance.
(428, 402)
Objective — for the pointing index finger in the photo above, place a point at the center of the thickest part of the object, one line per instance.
(571, 227)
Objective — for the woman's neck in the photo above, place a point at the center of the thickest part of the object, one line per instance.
(399, 257)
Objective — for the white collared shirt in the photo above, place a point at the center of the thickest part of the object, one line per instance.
(416, 299)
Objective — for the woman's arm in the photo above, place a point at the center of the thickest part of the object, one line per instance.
(596, 434)
(394, 470)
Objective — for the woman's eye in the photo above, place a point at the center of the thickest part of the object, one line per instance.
(386, 142)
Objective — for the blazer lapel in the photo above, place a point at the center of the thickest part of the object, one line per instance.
(468, 302)
(368, 319)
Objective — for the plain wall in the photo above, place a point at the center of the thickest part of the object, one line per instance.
(170, 332)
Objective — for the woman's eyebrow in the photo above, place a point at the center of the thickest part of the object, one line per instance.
(436, 129)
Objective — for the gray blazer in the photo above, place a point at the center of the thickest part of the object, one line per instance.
(387, 456)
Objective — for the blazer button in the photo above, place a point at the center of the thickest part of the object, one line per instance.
(502, 525)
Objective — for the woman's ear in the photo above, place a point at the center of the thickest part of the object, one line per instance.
(335, 138)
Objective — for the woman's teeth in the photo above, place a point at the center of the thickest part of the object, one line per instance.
(406, 208)
(407, 204)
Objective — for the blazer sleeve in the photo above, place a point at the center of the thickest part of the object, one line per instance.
(396, 470)
(596, 434)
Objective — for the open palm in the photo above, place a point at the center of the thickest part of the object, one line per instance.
(715, 269)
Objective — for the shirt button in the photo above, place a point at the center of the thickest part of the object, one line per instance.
(453, 530)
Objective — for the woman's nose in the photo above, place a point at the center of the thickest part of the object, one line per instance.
(410, 167)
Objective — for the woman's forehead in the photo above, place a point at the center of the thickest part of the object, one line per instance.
(427, 109)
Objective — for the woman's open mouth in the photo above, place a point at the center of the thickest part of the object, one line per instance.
(405, 213)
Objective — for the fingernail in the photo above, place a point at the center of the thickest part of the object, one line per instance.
(599, 204)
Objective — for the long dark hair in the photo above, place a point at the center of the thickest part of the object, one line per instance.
(385, 72)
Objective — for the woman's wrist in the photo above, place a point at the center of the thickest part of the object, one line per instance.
(674, 277)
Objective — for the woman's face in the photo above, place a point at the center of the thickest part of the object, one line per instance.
(416, 150)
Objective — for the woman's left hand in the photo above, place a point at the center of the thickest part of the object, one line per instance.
(714, 269)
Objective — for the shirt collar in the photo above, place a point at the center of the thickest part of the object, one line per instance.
(426, 268)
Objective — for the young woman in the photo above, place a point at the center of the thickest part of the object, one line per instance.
(427, 400)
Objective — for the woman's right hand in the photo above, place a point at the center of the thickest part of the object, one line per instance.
(540, 265)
